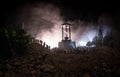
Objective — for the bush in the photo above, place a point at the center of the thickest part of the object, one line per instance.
(14, 40)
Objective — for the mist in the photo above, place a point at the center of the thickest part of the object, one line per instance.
(43, 22)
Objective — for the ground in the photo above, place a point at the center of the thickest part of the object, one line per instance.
(41, 62)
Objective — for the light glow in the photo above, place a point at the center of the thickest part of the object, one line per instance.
(82, 43)
(51, 38)
(43, 21)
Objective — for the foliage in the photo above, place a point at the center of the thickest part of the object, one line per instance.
(108, 40)
(89, 43)
(95, 40)
(13, 40)
(94, 63)
(111, 39)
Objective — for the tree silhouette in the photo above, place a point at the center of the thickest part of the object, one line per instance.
(89, 43)
(95, 40)
(14, 40)
(4, 44)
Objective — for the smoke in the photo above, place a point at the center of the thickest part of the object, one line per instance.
(43, 21)
(83, 32)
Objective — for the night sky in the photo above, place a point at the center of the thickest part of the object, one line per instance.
(71, 9)
(43, 17)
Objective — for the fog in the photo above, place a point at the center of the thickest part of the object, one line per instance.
(43, 21)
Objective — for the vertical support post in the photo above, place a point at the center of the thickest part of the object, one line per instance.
(66, 31)
(69, 32)
(62, 32)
